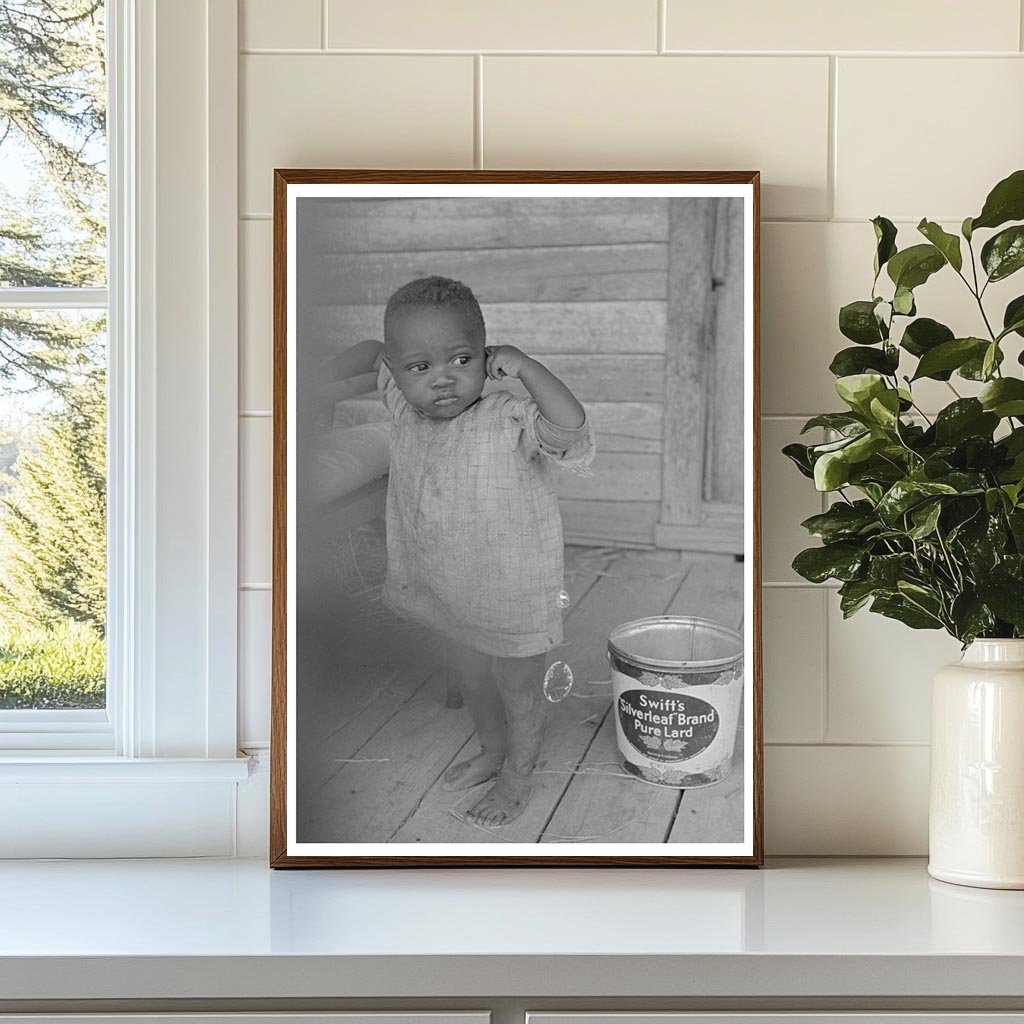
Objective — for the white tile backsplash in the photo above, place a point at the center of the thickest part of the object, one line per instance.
(471, 25)
(794, 635)
(962, 129)
(846, 800)
(879, 677)
(868, 25)
(255, 497)
(846, 702)
(260, 25)
(684, 113)
(254, 610)
(255, 312)
(350, 111)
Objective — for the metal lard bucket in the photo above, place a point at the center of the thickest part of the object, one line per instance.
(678, 689)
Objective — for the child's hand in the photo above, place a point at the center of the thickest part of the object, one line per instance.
(505, 361)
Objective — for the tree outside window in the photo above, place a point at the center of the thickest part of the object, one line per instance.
(53, 215)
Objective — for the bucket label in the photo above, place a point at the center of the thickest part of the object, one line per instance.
(667, 726)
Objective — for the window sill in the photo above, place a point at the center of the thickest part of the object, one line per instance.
(74, 766)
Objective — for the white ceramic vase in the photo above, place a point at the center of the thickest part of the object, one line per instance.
(976, 813)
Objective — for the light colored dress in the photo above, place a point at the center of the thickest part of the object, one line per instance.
(474, 533)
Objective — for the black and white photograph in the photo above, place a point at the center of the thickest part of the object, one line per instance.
(516, 567)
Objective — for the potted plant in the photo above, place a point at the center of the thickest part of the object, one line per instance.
(927, 521)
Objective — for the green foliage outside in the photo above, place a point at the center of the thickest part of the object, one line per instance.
(52, 365)
(59, 667)
(927, 526)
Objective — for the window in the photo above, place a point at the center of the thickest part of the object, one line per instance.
(156, 771)
(53, 372)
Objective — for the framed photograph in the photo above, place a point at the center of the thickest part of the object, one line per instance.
(516, 611)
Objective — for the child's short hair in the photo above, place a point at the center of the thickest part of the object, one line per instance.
(440, 293)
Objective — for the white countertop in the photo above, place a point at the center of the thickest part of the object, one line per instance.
(234, 928)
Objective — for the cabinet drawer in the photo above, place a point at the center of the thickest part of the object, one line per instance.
(934, 1017)
(356, 1017)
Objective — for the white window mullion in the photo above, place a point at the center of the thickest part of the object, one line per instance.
(53, 298)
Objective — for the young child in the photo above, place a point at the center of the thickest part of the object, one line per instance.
(474, 534)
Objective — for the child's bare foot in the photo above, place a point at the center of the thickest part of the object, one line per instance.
(504, 801)
(470, 773)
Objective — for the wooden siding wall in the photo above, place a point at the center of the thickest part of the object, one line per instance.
(581, 284)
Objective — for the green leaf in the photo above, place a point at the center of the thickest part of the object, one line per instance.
(885, 409)
(995, 500)
(925, 518)
(1014, 441)
(887, 570)
(843, 521)
(863, 447)
(872, 491)
(947, 244)
(903, 302)
(1016, 522)
(912, 267)
(1005, 597)
(885, 236)
(923, 335)
(857, 321)
(974, 368)
(858, 389)
(950, 355)
(818, 450)
(990, 360)
(831, 471)
(1005, 202)
(854, 594)
(966, 417)
(799, 455)
(971, 617)
(964, 482)
(899, 608)
(1004, 397)
(1003, 254)
(906, 494)
(1013, 317)
(965, 228)
(1015, 492)
(849, 361)
(841, 421)
(840, 561)
(981, 537)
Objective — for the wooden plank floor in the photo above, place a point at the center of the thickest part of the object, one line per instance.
(375, 736)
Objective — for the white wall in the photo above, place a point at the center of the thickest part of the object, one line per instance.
(909, 110)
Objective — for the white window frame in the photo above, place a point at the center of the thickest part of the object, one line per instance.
(173, 469)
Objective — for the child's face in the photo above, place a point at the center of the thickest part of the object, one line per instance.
(436, 362)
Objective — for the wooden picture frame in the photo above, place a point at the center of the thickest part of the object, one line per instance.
(641, 291)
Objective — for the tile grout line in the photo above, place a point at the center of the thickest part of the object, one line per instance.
(662, 41)
(323, 24)
(1020, 25)
(831, 170)
(825, 709)
(851, 744)
(257, 215)
(478, 111)
(799, 585)
(768, 55)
